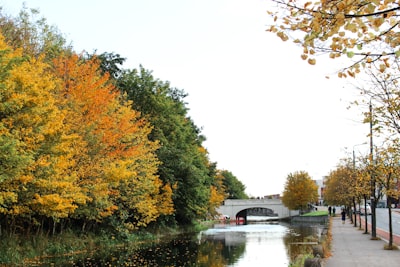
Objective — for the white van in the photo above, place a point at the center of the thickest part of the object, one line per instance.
(362, 210)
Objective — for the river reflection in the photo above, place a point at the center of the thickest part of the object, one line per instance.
(259, 244)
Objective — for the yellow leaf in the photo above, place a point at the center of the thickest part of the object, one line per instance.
(311, 61)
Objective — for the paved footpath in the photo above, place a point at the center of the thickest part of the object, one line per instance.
(352, 248)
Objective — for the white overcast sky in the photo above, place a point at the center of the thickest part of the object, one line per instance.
(264, 111)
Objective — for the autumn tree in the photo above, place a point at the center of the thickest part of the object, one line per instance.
(381, 100)
(17, 133)
(217, 189)
(362, 181)
(340, 185)
(387, 173)
(115, 160)
(300, 190)
(365, 32)
(75, 149)
(33, 143)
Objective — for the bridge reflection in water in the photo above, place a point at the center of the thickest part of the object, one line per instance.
(240, 209)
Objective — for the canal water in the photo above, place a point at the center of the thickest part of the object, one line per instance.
(255, 244)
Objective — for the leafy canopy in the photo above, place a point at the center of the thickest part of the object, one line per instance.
(365, 31)
(300, 190)
(235, 189)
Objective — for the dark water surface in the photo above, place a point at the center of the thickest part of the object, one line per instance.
(258, 244)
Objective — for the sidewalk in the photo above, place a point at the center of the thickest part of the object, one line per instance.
(352, 248)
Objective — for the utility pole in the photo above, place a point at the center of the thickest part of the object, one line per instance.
(355, 177)
(373, 193)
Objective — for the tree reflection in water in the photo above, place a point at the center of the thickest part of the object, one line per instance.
(227, 245)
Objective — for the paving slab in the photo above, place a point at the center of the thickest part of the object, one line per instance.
(352, 248)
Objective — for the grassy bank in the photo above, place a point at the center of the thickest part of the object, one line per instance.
(73, 247)
(18, 250)
(21, 250)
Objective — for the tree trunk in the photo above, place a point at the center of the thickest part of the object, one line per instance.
(365, 214)
(355, 211)
(83, 226)
(13, 226)
(390, 224)
(359, 216)
(54, 227)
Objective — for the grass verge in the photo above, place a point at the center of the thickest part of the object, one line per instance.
(316, 213)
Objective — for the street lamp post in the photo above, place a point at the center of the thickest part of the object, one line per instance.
(373, 193)
(354, 173)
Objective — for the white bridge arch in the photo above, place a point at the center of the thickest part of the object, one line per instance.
(235, 208)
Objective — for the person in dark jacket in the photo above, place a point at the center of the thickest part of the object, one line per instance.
(343, 213)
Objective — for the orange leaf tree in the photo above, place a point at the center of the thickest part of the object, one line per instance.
(116, 162)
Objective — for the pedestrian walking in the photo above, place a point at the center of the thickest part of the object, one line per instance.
(330, 210)
(343, 216)
(334, 212)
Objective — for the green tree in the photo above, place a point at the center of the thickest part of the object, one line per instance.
(299, 191)
(110, 63)
(234, 188)
(184, 164)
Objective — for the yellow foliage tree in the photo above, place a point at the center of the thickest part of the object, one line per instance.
(217, 193)
(31, 135)
(387, 173)
(32, 130)
(340, 186)
(300, 190)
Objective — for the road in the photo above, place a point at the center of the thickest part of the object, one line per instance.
(382, 220)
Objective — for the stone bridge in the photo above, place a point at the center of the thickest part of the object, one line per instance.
(241, 208)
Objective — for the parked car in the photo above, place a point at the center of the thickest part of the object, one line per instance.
(362, 210)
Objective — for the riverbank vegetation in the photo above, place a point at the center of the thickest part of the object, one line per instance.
(91, 152)
(315, 253)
